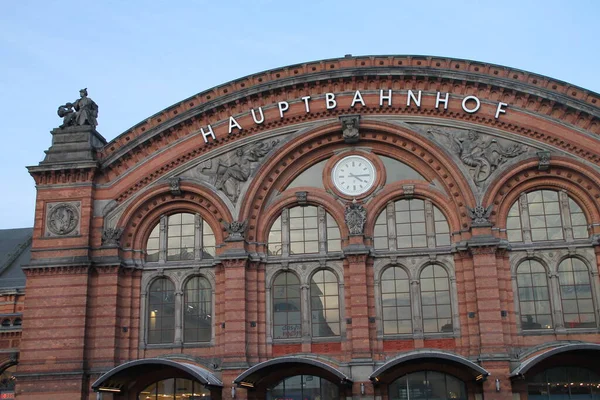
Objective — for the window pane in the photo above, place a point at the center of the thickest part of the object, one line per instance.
(286, 306)
(197, 307)
(397, 316)
(161, 311)
(575, 291)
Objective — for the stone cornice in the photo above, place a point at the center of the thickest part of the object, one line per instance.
(234, 97)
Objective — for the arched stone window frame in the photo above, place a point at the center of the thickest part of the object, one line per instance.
(414, 265)
(522, 205)
(551, 259)
(199, 234)
(179, 277)
(284, 214)
(304, 270)
(551, 292)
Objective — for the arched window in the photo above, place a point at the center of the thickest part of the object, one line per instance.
(435, 299)
(303, 387)
(197, 324)
(325, 304)
(304, 230)
(287, 310)
(161, 311)
(545, 215)
(534, 298)
(413, 223)
(395, 301)
(564, 383)
(576, 294)
(174, 389)
(427, 385)
(181, 236)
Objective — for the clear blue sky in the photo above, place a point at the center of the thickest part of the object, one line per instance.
(138, 57)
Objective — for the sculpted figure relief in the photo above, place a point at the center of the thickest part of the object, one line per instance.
(83, 111)
(479, 153)
(230, 172)
(484, 157)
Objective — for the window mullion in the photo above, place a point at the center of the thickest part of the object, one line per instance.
(321, 214)
(415, 294)
(525, 223)
(429, 224)
(565, 214)
(285, 232)
(390, 212)
(197, 237)
(162, 239)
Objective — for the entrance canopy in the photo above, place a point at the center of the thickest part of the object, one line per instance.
(591, 351)
(293, 366)
(118, 378)
(429, 356)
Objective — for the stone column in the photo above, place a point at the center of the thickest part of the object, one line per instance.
(559, 323)
(357, 313)
(178, 318)
(234, 338)
(488, 299)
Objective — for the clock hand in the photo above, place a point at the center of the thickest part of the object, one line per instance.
(355, 176)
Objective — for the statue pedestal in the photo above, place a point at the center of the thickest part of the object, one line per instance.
(73, 145)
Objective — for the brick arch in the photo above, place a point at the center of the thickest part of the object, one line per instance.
(385, 139)
(422, 191)
(578, 180)
(315, 197)
(141, 216)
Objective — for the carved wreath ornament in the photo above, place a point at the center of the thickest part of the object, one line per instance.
(63, 219)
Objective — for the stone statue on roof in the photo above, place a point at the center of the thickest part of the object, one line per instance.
(82, 111)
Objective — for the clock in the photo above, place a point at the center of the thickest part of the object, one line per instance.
(353, 175)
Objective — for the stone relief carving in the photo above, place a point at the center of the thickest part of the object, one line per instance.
(111, 236)
(480, 154)
(543, 160)
(230, 171)
(356, 216)
(83, 111)
(480, 215)
(62, 219)
(350, 128)
(174, 186)
(236, 230)
(302, 198)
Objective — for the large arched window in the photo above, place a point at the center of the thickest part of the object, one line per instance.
(197, 324)
(287, 310)
(161, 311)
(544, 215)
(413, 223)
(181, 236)
(427, 385)
(534, 297)
(564, 383)
(304, 230)
(435, 300)
(303, 387)
(576, 294)
(395, 301)
(174, 389)
(324, 304)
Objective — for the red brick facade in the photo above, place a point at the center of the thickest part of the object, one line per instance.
(86, 305)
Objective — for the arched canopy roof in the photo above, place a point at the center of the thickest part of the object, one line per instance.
(421, 356)
(293, 363)
(118, 377)
(531, 362)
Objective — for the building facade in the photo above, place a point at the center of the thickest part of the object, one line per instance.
(388, 227)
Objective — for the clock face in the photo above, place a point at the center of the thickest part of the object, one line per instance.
(353, 175)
